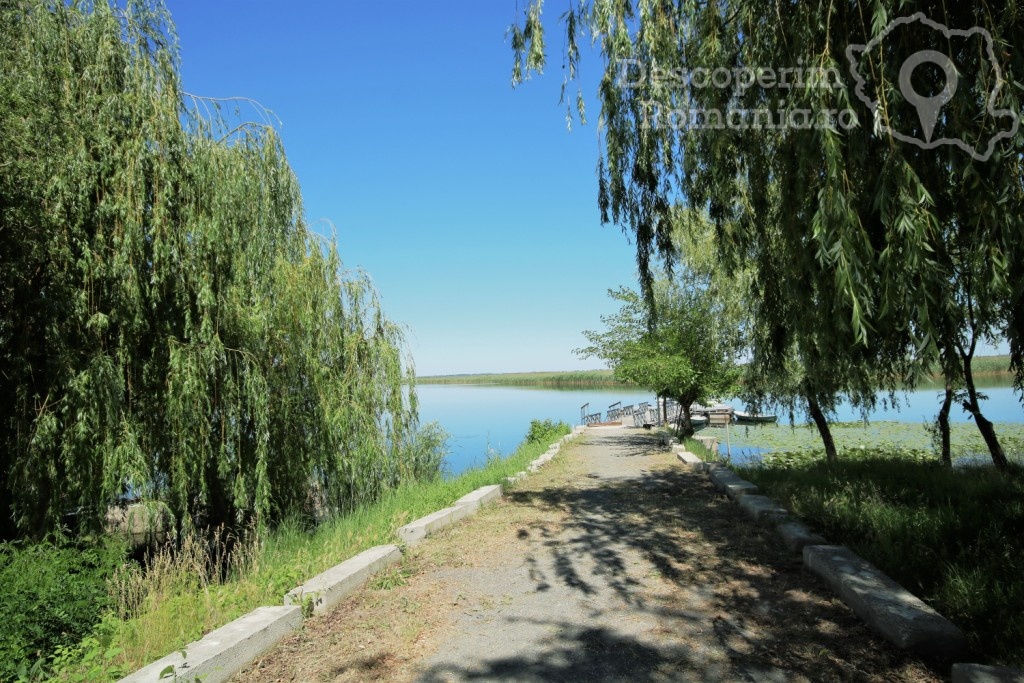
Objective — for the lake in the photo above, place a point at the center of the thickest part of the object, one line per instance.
(483, 419)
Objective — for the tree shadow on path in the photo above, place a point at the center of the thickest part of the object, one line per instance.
(739, 606)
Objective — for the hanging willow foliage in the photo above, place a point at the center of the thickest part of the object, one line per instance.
(169, 326)
(873, 257)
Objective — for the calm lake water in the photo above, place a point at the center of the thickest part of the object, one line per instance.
(483, 419)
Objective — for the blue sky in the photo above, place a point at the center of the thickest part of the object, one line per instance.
(469, 203)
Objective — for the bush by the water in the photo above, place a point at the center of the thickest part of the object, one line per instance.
(546, 430)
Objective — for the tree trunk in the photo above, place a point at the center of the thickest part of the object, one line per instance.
(686, 428)
(972, 406)
(823, 429)
(943, 423)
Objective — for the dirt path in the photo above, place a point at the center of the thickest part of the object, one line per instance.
(612, 564)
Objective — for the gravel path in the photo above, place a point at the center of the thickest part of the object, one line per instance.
(613, 564)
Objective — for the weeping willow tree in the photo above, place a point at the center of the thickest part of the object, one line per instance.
(170, 328)
(881, 238)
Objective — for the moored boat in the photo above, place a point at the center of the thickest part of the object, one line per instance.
(750, 418)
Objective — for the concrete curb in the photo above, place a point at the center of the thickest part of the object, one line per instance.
(414, 532)
(762, 508)
(330, 587)
(796, 535)
(553, 450)
(224, 652)
(888, 608)
(977, 673)
(688, 458)
(729, 483)
(471, 502)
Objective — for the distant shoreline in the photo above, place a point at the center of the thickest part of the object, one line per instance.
(565, 379)
(983, 366)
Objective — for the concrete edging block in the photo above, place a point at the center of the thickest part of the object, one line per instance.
(687, 458)
(471, 502)
(414, 532)
(328, 588)
(222, 653)
(888, 608)
(796, 535)
(730, 483)
(762, 508)
(979, 673)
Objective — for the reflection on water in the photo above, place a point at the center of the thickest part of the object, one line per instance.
(491, 418)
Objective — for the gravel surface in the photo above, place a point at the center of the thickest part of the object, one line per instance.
(612, 564)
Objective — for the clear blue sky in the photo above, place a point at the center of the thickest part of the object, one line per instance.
(469, 203)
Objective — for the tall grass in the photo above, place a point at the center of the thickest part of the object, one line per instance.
(951, 536)
(181, 595)
(552, 380)
(983, 366)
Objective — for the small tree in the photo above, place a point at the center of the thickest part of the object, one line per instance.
(683, 341)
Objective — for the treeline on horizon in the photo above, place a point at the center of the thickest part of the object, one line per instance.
(984, 366)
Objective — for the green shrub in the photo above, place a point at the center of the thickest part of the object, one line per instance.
(53, 597)
(546, 430)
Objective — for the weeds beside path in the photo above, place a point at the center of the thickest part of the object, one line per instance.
(613, 563)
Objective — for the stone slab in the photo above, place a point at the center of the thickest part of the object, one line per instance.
(979, 673)
(483, 495)
(414, 532)
(729, 483)
(222, 653)
(888, 608)
(762, 508)
(796, 535)
(327, 589)
(687, 458)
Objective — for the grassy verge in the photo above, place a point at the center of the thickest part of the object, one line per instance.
(177, 599)
(555, 380)
(952, 537)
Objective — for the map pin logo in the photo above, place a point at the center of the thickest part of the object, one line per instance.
(928, 107)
